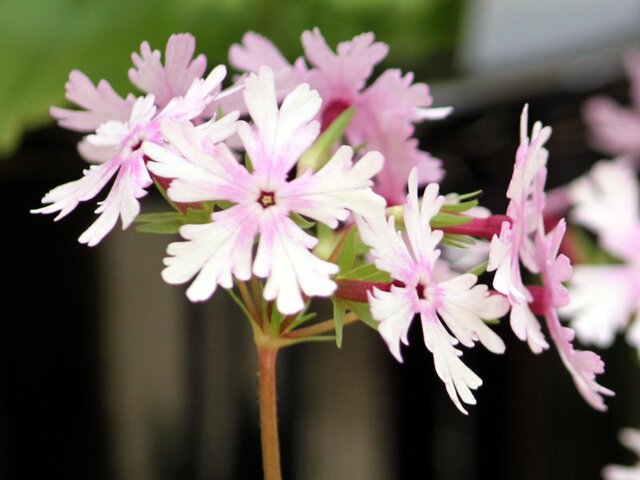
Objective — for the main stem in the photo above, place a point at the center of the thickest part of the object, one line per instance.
(268, 412)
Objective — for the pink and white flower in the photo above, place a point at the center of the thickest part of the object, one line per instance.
(554, 269)
(630, 438)
(616, 129)
(385, 112)
(451, 311)
(120, 132)
(175, 77)
(516, 240)
(606, 298)
(263, 200)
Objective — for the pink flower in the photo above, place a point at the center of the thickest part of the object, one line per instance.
(115, 147)
(555, 269)
(616, 129)
(458, 302)
(605, 298)
(516, 240)
(175, 77)
(263, 199)
(630, 438)
(385, 111)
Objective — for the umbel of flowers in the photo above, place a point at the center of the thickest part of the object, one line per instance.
(289, 186)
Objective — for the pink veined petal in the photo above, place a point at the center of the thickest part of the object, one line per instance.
(279, 136)
(582, 365)
(172, 79)
(388, 249)
(66, 197)
(459, 379)
(199, 95)
(349, 68)
(199, 175)
(290, 268)
(254, 52)
(338, 188)
(393, 311)
(417, 220)
(122, 200)
(100, 103)
(215, 252)
(465, 305)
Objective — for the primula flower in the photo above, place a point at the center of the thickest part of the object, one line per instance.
(121, 125)
(458, 302)
(524, 240)
(263, 199)
(616, 129)
(555, 269)
(606, 297)
(384, 112)
(630, 438)
(516, 240)
(119, 143)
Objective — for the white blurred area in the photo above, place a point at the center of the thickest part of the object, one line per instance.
(517, 48)
(501, 34)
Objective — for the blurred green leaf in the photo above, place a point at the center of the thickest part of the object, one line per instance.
(42, 41)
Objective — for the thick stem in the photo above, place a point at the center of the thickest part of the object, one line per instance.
(268, 412)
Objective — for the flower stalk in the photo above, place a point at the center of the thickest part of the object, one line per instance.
(267, 355)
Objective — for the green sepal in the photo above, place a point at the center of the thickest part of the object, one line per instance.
(459, 241)
(300, 221)
(366, 272)
(479, 269)
(276, 319)
(339, 311)
(318, 154)
(348, 252)
(455, 203)
(363, 312)
(441, 220)
(301, 318)
(163, 223)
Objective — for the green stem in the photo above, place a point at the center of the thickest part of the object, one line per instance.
(322, 327)
(268, 412)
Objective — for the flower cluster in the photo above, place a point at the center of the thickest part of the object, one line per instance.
(253, 213)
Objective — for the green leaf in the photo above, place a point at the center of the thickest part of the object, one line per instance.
(338, 317)
(158, 217)
(458, 241)
(318, 154)
(165, 228)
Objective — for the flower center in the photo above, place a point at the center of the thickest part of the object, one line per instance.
(333, 110)
(266, 199)
(420, 291)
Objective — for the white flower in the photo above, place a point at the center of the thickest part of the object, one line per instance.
(451, 311)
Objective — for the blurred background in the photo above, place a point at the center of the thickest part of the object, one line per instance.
(107, 373)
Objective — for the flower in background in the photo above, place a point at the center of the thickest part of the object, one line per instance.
(616, 129)
(457, 302)
(606, 297)
(630, 438)
(122, 125)
(385, 111)
(263, 199)
(525, 240)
